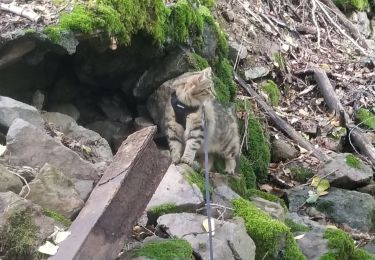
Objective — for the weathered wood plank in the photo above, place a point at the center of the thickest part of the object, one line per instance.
(100, 230)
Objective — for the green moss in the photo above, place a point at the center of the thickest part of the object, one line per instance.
(246, 170)
(349, 5)
(198, 179)
(365, 117)
(266, 196)
(342, 247)
(280, 61)
(238, 184)
(266, 232)
(224, 84)
(18, 237)
(164, 209)
(197, 61)
(295, 227)
(301, 174)
(360, 254)
(169, 249)
(273, 92)
(57, 216)
(324, 206)
(256, 148)
(353, 161)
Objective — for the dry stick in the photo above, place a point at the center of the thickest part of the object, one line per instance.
(313, 10)
(362, 144)
(280, 123)
(22, 11)
(339, 28)
(345, 22)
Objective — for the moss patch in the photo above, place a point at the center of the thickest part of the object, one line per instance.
(295, 227)
(57, 216)
(349, 5)
(301, 174)
(266, 196)
(267, 233)
(164, 209)
(246, 170)
(342, 247)
(256, 148)
(198, 179)
(273, 92)
(365, 117)
(18, 238)
(170, 249)
(353, 161)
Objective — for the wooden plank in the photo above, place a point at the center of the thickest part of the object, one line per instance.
(101, 228)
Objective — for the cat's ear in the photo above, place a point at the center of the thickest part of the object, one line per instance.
(205, 74)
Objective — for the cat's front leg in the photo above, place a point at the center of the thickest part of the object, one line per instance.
(175, 141)
(193, 143)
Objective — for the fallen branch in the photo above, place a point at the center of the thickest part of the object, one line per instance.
(21, 11)
(313, 10)
(280, 123)
(360, 142)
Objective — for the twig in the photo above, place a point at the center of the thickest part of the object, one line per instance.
(339, 28)
(313, 10)
(22, 11)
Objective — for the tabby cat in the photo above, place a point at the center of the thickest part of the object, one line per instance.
(178, 107)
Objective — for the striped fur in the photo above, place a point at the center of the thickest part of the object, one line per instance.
(186, 145)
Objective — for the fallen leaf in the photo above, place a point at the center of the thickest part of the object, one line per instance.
(323, 185)
(205, 225)
(48, 248)
(322, 193)
(315, 181)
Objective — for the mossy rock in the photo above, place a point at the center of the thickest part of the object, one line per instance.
(272, 91)
(295, 227)
(169, 249)
(266, 196)
(256, 147)
(270, 236)
(366, 118)
(353, 161)
(341, 247)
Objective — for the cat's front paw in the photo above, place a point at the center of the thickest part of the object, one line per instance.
(193, 164)
(175, 158)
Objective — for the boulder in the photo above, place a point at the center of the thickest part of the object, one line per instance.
(175, 190)
(11, 109)
(115, 110)
(53, 190)
(282, 151)
(65, 108)
(230, 240)
(313, 245)
(345, 175)
(9, 181)
(352, 208)
(223, 195)
(256, 73)
(42, 149)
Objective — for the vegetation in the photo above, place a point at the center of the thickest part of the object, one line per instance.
(366, 118)
(301, 174)
(295, 227)
(349, 5)
(342, 247)
(57, 216)
(272, 91)
(198, 179)
(353, 161)
(246, 170)
(169, 249)
(266, 196)
(163, 209)
(18, 236)
(268, 234)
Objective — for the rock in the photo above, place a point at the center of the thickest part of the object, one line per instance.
(342, 175)
(282, 151)
(275, 210)
(229, 242)
(174, 64)
(142, 122)
(67, 109)
(369, 189)
(38, 99)
(84, 188)
(352, 208)
(313, 245)
(175, 190)
(370, 247)
(223, 195)
(44, 149)
(332, 144)
(115, 110)
(51, 189)
(11, 204)
(210, 42)
(305, 221)
(11, 109)
(100, 149)
(9, 181)
(236, 49)
(228, 15)
(256, 73)
(362, 22)
(114, 132)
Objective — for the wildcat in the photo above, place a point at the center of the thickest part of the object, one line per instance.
(177, 106)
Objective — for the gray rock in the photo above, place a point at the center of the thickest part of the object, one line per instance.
(223, 195)
(369, 189)
(173, 65)
(362, 22)
(101, 151)
(84, 188)
(230, 240)
(228, 15)
(256, 73)
(282, 151)
(175, 189)
(42, 149)
(236, 49)
(142, 122)
(67, 109)
(11, 109)
(114, 132)
(341, 175)
(352, 208)
(11, 203)
(115, 111)
(370, 247)
(313, 245)
(275, 210)
(53, 190)
(9, 181)
(38, 99)
(305, 221)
